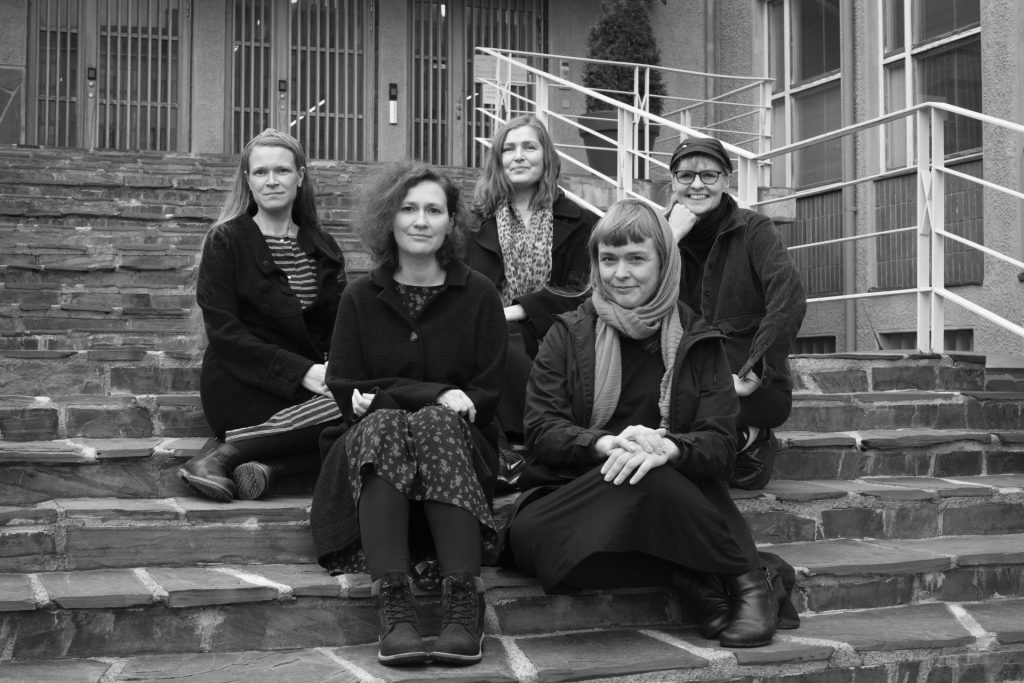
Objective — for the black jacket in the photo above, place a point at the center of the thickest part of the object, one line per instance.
(750, 289)
(457, 341)
(570, 262)
(260, 341)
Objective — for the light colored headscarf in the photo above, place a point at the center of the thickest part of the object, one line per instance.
(660, 313)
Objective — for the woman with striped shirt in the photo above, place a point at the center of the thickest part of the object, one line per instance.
(268, 286)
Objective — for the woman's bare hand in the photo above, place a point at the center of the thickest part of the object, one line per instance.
(361, 402)
(457, 400)
(315, 379)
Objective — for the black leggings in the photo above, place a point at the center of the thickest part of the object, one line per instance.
(384, 530)
(296, 451)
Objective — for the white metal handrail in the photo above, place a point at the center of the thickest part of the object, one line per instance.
(929, 119)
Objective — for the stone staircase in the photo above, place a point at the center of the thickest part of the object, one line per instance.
(899, 493)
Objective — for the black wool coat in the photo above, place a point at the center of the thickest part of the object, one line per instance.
(260, 341)
(570, 262)
(458, 341)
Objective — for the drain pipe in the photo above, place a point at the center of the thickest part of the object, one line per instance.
(849, 113)
(710, 58)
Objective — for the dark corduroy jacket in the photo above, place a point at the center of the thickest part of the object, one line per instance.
(260, 341)
(570, 262)
(458, 341)
(750, 289)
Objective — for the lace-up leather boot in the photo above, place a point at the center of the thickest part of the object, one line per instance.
(754, 615)
(400, 642)
(207, 473)
(462, 620)
(253, 479)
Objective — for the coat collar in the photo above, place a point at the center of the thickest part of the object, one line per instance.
(456, 275)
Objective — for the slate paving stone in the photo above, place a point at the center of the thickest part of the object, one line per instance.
(305, 580)
(816, 439)
(942, 487)
(191, 586)
(1005, 618)
(998, 481)
(21, 516)
(96, 588)
(596, 654)
(860, 557)
(801, 491)
(888, 439)
(118, 509)
(973, 550)
(16, 594)
(877, 487)
(530, 614)
(121, 448)
(276, 509)
(784, 648)
(493, 668)
(231, 667)
(67, 671)
(892, 628)
(41, 452)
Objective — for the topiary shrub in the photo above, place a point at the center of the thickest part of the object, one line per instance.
(622, 33)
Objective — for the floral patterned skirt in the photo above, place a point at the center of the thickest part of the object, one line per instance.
(426, 455)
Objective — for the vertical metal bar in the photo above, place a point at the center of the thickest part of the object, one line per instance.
(937, 209)
(48, 69)
(923, 229)
(67, 81)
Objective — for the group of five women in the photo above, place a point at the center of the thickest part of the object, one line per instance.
(634, 355)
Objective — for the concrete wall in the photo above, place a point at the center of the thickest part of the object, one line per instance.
(209, 69)
(13, 51)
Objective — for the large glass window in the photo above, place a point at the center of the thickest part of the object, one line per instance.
(818, 112)
(937, 18)
(816, 38)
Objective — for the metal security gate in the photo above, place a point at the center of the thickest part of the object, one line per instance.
(110, 74)
(301, 66)
(444, 96)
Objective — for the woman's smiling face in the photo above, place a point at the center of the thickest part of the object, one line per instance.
(699, 197)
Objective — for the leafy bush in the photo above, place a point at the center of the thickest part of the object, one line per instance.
(622, 33)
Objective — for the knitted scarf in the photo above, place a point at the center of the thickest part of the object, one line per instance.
(525, 250)
(660, 313)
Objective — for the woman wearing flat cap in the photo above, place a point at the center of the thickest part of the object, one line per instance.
(738, 275)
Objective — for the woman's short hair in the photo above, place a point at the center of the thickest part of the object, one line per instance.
(493, 187)
(239, 199)
(384, 198)
(628, 221)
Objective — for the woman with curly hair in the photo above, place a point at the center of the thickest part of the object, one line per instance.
(419, 350)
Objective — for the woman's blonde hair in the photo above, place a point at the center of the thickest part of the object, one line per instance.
(493, 188)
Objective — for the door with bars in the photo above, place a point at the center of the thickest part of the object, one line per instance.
(301, 66)
(110, 74)
(445, 120)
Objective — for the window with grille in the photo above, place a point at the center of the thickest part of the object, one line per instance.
(896, 207)
(818, 218)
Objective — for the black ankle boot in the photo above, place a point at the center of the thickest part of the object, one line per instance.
(400, 642)
(253, 479)
(207, 473)
(753, 468)
(462, 620)
(705, 596)
(754, 614)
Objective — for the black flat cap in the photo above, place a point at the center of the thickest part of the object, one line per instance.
(709, 146)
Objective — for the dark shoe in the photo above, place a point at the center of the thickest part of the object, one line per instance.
(207, 473)
(705, 596)
(253, 479)
(400, 642)
(462, 620)
(754, 614)
(753, 468)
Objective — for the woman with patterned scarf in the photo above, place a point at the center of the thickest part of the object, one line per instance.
(630, 424)
(531, 242)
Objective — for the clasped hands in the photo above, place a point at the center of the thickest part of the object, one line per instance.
(634, 452)
(453, 399)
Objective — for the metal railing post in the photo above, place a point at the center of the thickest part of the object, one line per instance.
(937, 209)
(626, 143)
(541, 108)
(924, 177)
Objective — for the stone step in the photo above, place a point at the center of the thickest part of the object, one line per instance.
(850, 373)
(140, 611)
(33, 470)
(126, 370)
(815, 412)
(104, 503)
(975, 643)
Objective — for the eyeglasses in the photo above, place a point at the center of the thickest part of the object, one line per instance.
(706, 177)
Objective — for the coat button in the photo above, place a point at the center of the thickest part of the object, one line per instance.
(413, 336)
